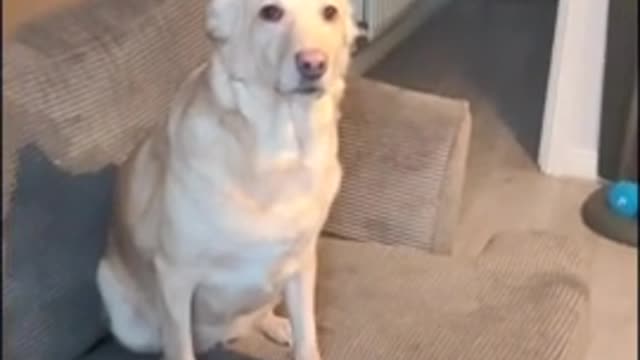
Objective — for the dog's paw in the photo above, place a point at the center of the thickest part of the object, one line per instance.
(277, 329)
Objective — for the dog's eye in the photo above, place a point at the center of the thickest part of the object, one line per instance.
(272, 13)
(330, 12)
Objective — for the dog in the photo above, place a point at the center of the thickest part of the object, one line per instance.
(218, 211)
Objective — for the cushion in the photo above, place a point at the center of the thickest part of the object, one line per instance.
(87, 83)
(403, 155)
(56, 231)
(525, 297)
(82, 86)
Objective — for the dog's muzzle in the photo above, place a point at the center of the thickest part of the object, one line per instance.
(311, 64)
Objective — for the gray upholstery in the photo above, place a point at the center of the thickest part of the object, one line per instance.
(80, 88)
(51, 307)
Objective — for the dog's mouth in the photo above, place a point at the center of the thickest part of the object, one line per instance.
(303, 88)
(309, 89)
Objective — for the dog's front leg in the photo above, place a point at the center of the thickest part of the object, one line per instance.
(299, 294)
(176, 291)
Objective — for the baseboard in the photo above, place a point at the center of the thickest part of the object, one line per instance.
(576, 163)
(375, 51)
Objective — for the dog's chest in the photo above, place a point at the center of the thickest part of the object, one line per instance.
(267, 222)
(243, 266)
(243, 281)
(248, 233)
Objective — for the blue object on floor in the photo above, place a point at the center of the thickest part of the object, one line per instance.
(623, 198)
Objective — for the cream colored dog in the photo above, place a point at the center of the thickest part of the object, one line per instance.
(219, 210)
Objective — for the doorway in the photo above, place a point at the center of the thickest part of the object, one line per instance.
(494, 53)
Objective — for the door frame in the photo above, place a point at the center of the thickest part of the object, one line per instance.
(571, 123)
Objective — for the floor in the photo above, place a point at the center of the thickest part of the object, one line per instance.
(495, 53)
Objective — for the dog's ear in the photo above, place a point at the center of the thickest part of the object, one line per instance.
(221, 17)
(352, 31)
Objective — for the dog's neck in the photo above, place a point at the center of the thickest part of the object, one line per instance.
(281, 125)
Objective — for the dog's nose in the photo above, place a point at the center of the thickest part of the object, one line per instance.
(312, 64)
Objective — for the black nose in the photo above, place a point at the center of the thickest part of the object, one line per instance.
(312, 64)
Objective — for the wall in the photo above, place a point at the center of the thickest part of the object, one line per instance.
(571, 125)
(620, 73)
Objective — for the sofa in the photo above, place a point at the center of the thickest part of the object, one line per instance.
(83, 86)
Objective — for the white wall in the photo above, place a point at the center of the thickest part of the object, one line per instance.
(358, 9)
(571, 125)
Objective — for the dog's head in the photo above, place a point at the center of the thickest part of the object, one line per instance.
(293, 46)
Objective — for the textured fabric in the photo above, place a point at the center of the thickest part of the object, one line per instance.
(87, 84)
(83, 86)
(403, 155)
(524, 298)
(11, 135)
(51, 307)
